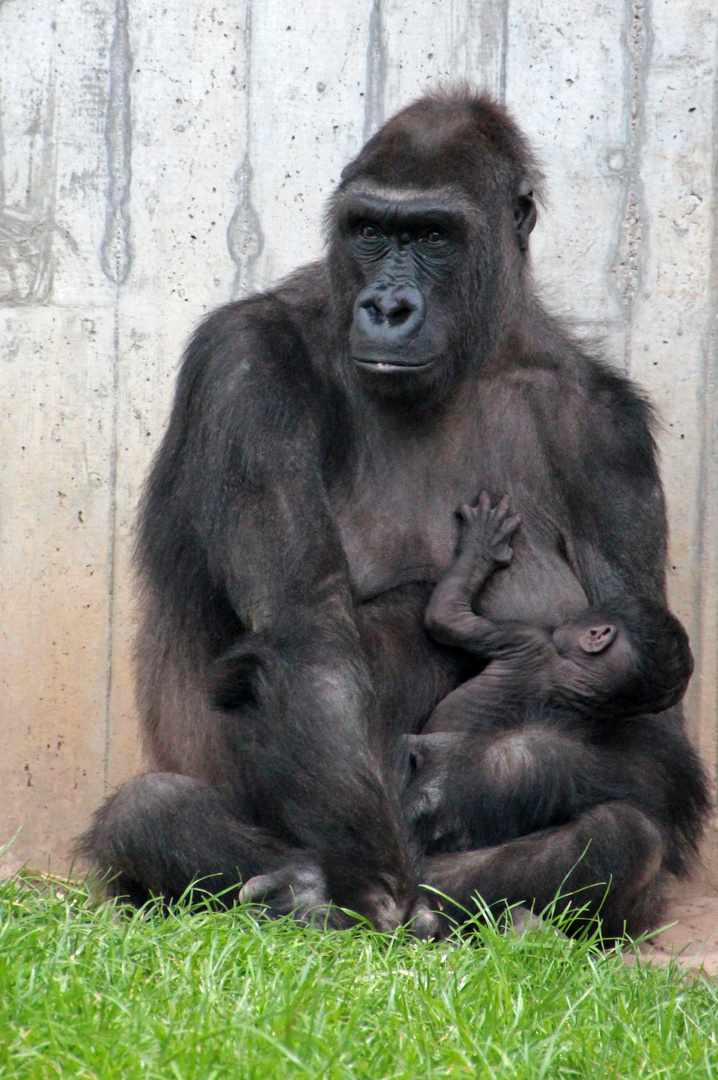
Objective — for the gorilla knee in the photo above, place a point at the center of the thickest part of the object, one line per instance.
(166, 831)
(149, 801)
(637, 844)
(510, 759)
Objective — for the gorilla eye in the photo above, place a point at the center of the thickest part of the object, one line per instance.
(433, 236)
(369, 232)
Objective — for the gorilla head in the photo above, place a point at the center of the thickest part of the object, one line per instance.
(428, 237)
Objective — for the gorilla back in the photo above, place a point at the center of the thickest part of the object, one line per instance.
(300, 510)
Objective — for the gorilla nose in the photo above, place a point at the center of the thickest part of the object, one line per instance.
(389, 316)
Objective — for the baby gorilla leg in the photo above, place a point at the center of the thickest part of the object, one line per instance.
(606, 864)
(476, 789)
(525, 780)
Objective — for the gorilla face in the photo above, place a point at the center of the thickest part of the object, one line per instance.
(405, 255)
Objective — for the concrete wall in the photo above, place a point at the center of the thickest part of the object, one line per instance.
(157, 159)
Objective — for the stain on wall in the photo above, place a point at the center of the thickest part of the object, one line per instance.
(27, 227)
(116, 249)
(245, 240)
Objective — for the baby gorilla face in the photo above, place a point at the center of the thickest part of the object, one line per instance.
(599, 643)
(601, 654)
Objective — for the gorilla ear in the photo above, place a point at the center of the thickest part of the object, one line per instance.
(597, 638)
(524, 214)
(418, 750)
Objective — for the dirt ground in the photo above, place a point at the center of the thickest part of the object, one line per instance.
(690, 934)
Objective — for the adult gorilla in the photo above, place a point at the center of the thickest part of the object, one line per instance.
(299, 512)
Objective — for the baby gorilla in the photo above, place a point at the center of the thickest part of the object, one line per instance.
(538, 722)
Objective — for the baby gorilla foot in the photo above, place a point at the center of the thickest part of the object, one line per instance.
(427, 798)
(487, 530)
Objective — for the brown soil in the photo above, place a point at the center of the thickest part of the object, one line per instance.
(690, 935)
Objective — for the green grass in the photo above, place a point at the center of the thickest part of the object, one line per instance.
(85, 992)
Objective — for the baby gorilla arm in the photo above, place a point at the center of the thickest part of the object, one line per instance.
(484, 546)
(520, 656)
(582, 665)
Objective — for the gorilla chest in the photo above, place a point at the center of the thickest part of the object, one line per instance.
(397, 521)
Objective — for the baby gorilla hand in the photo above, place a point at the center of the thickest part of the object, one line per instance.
(487, 530)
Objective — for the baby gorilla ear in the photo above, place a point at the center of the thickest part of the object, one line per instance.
(597, 638)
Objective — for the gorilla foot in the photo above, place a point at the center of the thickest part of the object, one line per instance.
(299, 889)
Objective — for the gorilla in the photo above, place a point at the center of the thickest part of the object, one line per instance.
(299, 513)
(626, 657)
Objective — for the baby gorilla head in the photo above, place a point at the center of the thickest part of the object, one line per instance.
(629, 649)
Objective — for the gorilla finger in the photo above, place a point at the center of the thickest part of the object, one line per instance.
(258, 888)
(508, 528)
(425, 925)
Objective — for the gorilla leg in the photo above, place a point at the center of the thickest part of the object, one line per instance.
(162, 832)
(607, 863)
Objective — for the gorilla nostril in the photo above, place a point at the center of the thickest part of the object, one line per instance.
(401, 315)
(373, 311)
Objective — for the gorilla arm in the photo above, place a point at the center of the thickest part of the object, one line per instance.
(239, 476)
(617, 537)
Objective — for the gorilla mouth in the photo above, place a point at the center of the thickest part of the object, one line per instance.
(393, 367)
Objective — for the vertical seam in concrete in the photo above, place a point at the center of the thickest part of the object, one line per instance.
(112, 544)
(504, 52)
(376, 67)
(633, 240)
(2, 152)
(245, 239)
(706, 545)
(116, 259)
